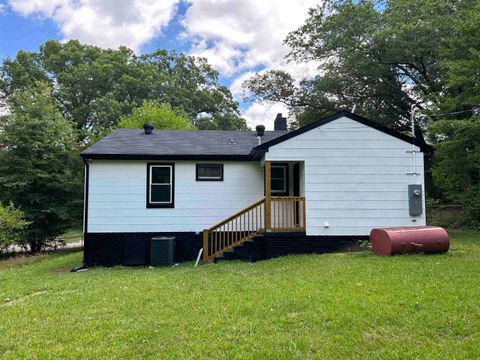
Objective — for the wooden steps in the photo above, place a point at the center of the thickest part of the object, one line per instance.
(280, 213)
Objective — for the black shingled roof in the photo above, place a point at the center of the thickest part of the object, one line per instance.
(212, 144)
(177, 144)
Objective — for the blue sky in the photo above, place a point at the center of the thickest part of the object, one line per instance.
(238, 37)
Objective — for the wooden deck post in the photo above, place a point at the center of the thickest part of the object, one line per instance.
(268, 185)
(304, 214)
(205, 247)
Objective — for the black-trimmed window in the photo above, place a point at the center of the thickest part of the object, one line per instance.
(209, 172)
(279, 179)
(160, 185)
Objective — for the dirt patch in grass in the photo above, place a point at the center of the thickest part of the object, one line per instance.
(23, 298)
(60, 271)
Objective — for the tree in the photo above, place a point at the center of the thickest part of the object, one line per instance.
(456, 169)
(222, 122)
(96, 87)
(456, 135)
(461, 60)
(381, 56)
(40, 167)
(12, 222)
(161, 116)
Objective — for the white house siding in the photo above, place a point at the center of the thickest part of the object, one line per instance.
(355, 177)
(117, 196)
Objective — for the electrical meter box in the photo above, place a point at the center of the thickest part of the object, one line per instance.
(415, 200)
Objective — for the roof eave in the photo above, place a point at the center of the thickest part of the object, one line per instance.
(210, 157)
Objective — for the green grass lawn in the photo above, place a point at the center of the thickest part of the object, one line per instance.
(353, 305)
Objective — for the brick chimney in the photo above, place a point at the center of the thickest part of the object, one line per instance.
(280, 122)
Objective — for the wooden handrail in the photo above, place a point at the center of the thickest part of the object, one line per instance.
(223, 222)
(285, 213)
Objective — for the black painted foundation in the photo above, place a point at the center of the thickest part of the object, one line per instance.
(133, 249)
(109, 249)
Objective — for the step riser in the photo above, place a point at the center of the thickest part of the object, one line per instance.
(250, 250)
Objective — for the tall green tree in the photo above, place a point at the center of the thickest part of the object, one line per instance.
(461, 61)
(456, 135)
(381, 56)
(40, 167)
(96, 87)
(456, 169)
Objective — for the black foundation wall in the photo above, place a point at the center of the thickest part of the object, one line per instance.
(109, 249)
(271, 245)
(281, 244)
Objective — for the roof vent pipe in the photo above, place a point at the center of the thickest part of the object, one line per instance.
(260, 132)
(148, 128)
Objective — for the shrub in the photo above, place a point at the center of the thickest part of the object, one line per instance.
(12, 222)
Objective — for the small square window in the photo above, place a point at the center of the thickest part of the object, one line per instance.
(209, 172)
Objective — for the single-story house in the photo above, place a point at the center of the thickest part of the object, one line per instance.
(255, 194)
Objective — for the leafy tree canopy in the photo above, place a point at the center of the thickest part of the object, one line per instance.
(40, 168)
(456, 169)
(96, 87)
(161, 116)
(461, 59)
(221, 122)
(381, 56)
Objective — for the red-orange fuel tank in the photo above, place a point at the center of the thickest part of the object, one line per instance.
(413, 239)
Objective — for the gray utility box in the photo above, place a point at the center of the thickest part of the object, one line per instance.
(415, 200)
(162, 251)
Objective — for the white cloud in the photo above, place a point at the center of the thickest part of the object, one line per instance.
(223, 57)
(243, 34)
(263, 114)
(236, 85)
(2, 8)
(106, 23)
